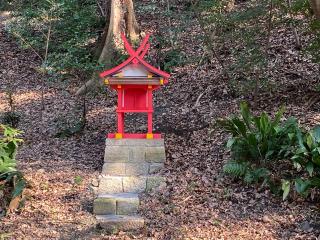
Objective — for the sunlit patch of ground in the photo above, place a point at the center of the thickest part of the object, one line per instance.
(198, 201)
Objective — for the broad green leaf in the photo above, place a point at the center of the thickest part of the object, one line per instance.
(309, 168)
(230, 142)
(278, 116)
(315, 181)
(302, 186)
(316, 134)
(246, 115)
(297, 165)
(269, 153)
(257, 123)
(316, 159)
(285, 188)
(20, 185)
(291, 135)
(264, 123)
(240, 126)
(300, 140)
(309, 141)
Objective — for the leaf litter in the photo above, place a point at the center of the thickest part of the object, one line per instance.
(199, 202)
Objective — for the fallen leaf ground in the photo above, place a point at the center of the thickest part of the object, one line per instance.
(199, 202)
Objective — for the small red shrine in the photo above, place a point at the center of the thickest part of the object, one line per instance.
(134, 80)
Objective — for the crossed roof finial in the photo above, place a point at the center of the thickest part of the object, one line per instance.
(141, 51)
(136, 56)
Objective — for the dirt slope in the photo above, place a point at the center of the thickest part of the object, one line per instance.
(198, 202)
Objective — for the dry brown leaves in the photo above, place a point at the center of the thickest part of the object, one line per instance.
(198, 201)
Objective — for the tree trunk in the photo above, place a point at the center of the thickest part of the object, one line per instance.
(230, 5)
(315, 5)
(122, 19)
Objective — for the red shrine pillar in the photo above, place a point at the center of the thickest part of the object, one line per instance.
(150, 112)
(120, 132)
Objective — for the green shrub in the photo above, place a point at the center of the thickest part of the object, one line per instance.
(258, 139)
(73, 32)
(12, 181)
(307, 160)
(262, 150)
(257, 144)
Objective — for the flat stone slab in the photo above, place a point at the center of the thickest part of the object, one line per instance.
(115, 223)
(155, 154)
(110, 168)
(129, 184)
(104, 206)
(116, 204)
(126, 169)
(134, 184)
(110, 184)
(134, 154)
(130, 167)
(155, 167)
(135, 142)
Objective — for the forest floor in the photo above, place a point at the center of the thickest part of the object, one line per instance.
(199, 202)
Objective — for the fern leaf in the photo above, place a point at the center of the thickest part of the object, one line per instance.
(236, 169)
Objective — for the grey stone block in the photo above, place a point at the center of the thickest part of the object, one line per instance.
(115, 223)
(155, 154)
(116, 154)
(114, 169)
(135, 142)
(109, 184)
(134, 184)
(153, 182)
(104, 206)
(155, 167)
(119, 203)
(127, 204)
(137, 154)
(136, 169)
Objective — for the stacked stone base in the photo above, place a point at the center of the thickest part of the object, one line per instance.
(130, 167)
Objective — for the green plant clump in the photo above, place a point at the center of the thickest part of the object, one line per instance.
(12, 182)
(259, 139)
(61, 32)
(260, 146)
(307, 160)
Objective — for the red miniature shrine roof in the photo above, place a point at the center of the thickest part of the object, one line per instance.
(135, 58)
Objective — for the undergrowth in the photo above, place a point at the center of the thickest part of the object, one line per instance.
(261, 147)
(12, 182)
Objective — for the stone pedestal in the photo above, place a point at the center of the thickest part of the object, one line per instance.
(130, 167)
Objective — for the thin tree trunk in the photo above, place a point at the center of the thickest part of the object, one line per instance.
(315, 5)
(295, 32)
(230, 5)
(122, 19)
(131, 21)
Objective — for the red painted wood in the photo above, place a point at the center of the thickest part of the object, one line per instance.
(135, 55)
(150, 108)
(135, 97)
(135, 111)
(130, 49)
(136, 135)
(145, 50)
